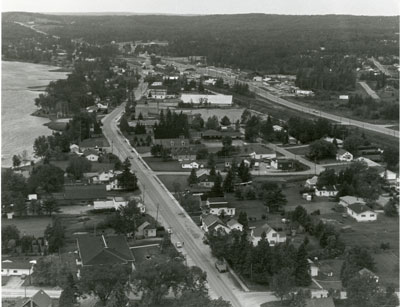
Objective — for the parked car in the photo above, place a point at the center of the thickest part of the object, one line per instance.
(221, 266)
(178, 244)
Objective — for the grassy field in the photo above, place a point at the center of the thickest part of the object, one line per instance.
(156, 164)
(301, 151)
(169, 180)
(96, 166)
(233, 114)
(34, 226)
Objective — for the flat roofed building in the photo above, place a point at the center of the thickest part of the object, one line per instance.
(198, 99)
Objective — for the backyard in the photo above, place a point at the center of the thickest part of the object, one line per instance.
(34, 226)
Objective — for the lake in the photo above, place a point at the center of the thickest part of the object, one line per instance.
(19, 128)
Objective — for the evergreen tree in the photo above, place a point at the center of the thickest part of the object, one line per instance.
(228, 184)
(302, 275)
(242, 219)
(216, 190)
(192, 179)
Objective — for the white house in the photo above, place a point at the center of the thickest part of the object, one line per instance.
(311, 182)
(105, 176)
(277, 128)
(212, 223)
(313, 268)
(344, 156)
(361, 213)
(388, 175)
(339, 142)
(146, 230)
(304, 93)
(116, 203)
(192, 165)
(346, 201)
(32, 196)
(326, 191)
(234, 224)
(17, 267)
(74, 148)
(218, 204)
(272, 236)
(258, 78)
(343, 97)
(261, 156)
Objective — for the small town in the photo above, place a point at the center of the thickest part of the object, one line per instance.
(169, 180)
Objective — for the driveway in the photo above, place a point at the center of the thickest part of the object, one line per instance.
(14, 282)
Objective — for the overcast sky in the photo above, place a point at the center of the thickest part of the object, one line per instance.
(303, 7)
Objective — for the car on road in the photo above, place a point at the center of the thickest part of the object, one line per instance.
(221, 266)
(169, 230)
(179, 244)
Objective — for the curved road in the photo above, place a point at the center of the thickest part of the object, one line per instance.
(184, 229)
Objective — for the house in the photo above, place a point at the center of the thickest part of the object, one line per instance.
(74, 148)
(361, 213)
(304, 93)
(272, 236)
(99, 144)
(313, 268)
(292, 140)
(192, 165)
(32, 197)
(205, 99)
(339, 142)
(260, 156)
(146, 230)
(157, 91)
(277, 128)
(343, 97)
(258, 78)
(320, 302)
(388, 175)
(105, 177)
(211, 134)
(91, 155)
(173, 144)
(234, 224)
(183, 154)
(211, 223)
(205, 180)
(216, 205)
(366, 272)
(103, 250)
(346, 201)
(326, 191)
(344, 156)
(369, 162)
(39, 299)
(115, 203)
(17, 267)
(282, 164)
(311, 182)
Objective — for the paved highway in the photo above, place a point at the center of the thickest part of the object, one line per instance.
(257, 89)
(170, 212)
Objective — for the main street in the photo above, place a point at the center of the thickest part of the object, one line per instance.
(159, 199)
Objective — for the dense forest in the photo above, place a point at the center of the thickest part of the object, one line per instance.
(274, 43)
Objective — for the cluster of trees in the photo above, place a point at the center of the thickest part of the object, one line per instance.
(242, 89)
(160, 151)
(321, 149)
(329, 239)
(363, 290)
(305, 130)
(370, 109)
(356, 180)
(13, 243)
(171, 125)
(163, 274)
(329, 73)
(262, 262)
(127, 180)
(44, 146)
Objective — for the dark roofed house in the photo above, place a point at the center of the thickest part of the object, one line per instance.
(94, 143)
(103, 250)
(183, 154)
(370, 274)
(80, 193)
(40, 299)
(361, 212)
(210, 223)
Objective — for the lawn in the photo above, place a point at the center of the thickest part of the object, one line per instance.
(169, 180)
(157, 165)
(34, 226)
(301, 151)
(96, 166)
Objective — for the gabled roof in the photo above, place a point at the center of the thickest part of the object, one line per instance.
(260, 229)
(217, 200)
(352, 200)
(88, 152)
(232, 223)
(327, 188)
(219, 205)
(211, 219)
(365, 271)
(342, 152)
(40, 299)
(101, 250)
(146, 225)
(312, 180)
(320, 302)
(16, 264)
(359, 208)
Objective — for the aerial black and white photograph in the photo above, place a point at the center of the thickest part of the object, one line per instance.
(214, 153)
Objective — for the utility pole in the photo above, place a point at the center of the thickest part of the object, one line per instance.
(158, 205)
